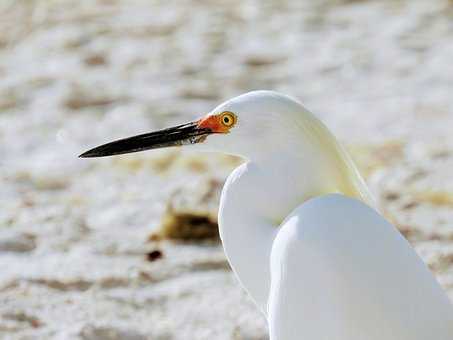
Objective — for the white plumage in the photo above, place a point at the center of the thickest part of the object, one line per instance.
(321, 266)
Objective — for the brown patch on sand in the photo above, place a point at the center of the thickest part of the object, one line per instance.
(188, 226)
(191, 213)
(154, 255)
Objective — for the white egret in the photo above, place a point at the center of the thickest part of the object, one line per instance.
(298, 228)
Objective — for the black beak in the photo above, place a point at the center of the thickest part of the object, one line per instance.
(189, 133)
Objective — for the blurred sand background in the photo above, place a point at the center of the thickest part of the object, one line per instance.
(74, 74)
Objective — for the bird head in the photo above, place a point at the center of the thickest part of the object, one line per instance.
(258, 126)
(245, 126)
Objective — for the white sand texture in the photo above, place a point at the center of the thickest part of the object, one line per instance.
(75, 255)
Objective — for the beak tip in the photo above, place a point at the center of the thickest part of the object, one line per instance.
(87, 154)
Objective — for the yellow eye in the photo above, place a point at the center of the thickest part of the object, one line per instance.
(228, 119)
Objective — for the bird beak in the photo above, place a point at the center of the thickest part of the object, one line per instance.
(190, 133)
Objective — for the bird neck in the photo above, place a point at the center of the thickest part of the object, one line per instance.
(261, 193)
(255, 200)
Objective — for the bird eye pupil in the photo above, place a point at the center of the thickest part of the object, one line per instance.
(226, 119)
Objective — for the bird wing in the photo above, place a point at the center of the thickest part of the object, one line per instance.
(340, 271)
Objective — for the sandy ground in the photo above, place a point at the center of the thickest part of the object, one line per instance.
(74, 74)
